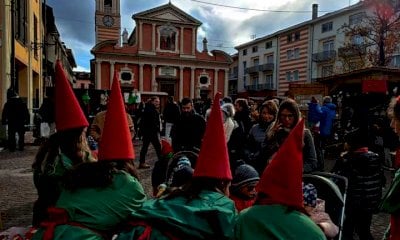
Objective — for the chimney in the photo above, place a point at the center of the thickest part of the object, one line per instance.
(314, 11)
(205, 49)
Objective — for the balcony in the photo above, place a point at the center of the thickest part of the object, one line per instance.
(352, 50)
(324, 56)
(258, 87)
(259, 68)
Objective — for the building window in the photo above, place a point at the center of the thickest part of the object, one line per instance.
(356, 18)
(35, 35)
(297, 36)
(268, 81)
(255, 49)
(168, 38)
(289, 54)
(327, 71)
(326, 27)
(295, 75)
(328, 46)
(395, 62)
(289, 38)
(21, 20)
(256, 62)
(268, 45)
(244, 52)
(296, 53)
(357, 40)
(269, 58)
(288, 76)
(107, 3)
(254, 80)
(244, 64)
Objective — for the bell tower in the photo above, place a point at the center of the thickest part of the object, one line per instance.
(107, 20)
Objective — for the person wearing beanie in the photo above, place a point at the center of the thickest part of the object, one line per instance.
(63, 150)
(228, 111)
(278, 212)
(363, 170)
(315, 208)
(99, 196)
(243, 188)
(200, 209)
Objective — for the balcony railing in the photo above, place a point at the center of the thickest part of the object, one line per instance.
(352, 50)
(324, 56)
(258, 87)
(259, 68)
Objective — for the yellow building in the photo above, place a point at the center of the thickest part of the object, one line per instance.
(28, 33)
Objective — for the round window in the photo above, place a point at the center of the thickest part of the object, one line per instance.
(126, 76)
(203, 80)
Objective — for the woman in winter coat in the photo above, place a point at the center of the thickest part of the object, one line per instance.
(288, 116)
(268, 111)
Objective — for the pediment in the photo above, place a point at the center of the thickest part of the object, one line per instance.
(167, 13)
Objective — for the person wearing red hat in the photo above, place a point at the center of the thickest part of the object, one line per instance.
(199, 209)
(63, 150)
(99, 196)
(278, 212)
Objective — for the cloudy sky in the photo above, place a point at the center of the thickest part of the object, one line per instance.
(226, 24)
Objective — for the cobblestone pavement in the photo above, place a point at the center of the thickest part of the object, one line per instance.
(17, 192)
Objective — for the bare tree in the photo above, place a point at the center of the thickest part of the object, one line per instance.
(379, 31)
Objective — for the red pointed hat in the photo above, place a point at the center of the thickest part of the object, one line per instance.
(116, 139)
(166, 147)
(281, 181)
(213, 160)
(68, 112)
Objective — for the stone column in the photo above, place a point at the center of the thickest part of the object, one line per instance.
(154, 85)
(192, 82)
(111, 72)
(98, 74)
(215, 81)
(140, 36)
(153, 38)
(181, 43)
(141, 77)
(193, 42)
(226, 84)
(181, 83)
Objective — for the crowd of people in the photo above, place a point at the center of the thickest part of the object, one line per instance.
(232, 171)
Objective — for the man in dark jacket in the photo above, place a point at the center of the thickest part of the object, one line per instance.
(171, 114)
(150, 129)
(188, 131)
(15, 115)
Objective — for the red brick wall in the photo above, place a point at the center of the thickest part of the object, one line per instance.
(147, 35)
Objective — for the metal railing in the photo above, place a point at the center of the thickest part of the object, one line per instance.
(324, 56)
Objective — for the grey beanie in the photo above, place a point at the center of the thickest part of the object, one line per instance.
(244, 175)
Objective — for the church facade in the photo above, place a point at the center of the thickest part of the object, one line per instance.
(160, 55)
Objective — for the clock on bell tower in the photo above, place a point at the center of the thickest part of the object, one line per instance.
(107, 20)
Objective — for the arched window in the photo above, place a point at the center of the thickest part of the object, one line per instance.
(168, 36)
(107, 3)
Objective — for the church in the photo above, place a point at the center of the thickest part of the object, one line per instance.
(159, 57)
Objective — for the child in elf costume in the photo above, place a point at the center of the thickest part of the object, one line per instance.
(278, 212)
(199, 210)
(99, 196)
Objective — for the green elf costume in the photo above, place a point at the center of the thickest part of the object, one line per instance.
(278, 212)
(48, 173)
(210, 215)
(94, 213)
